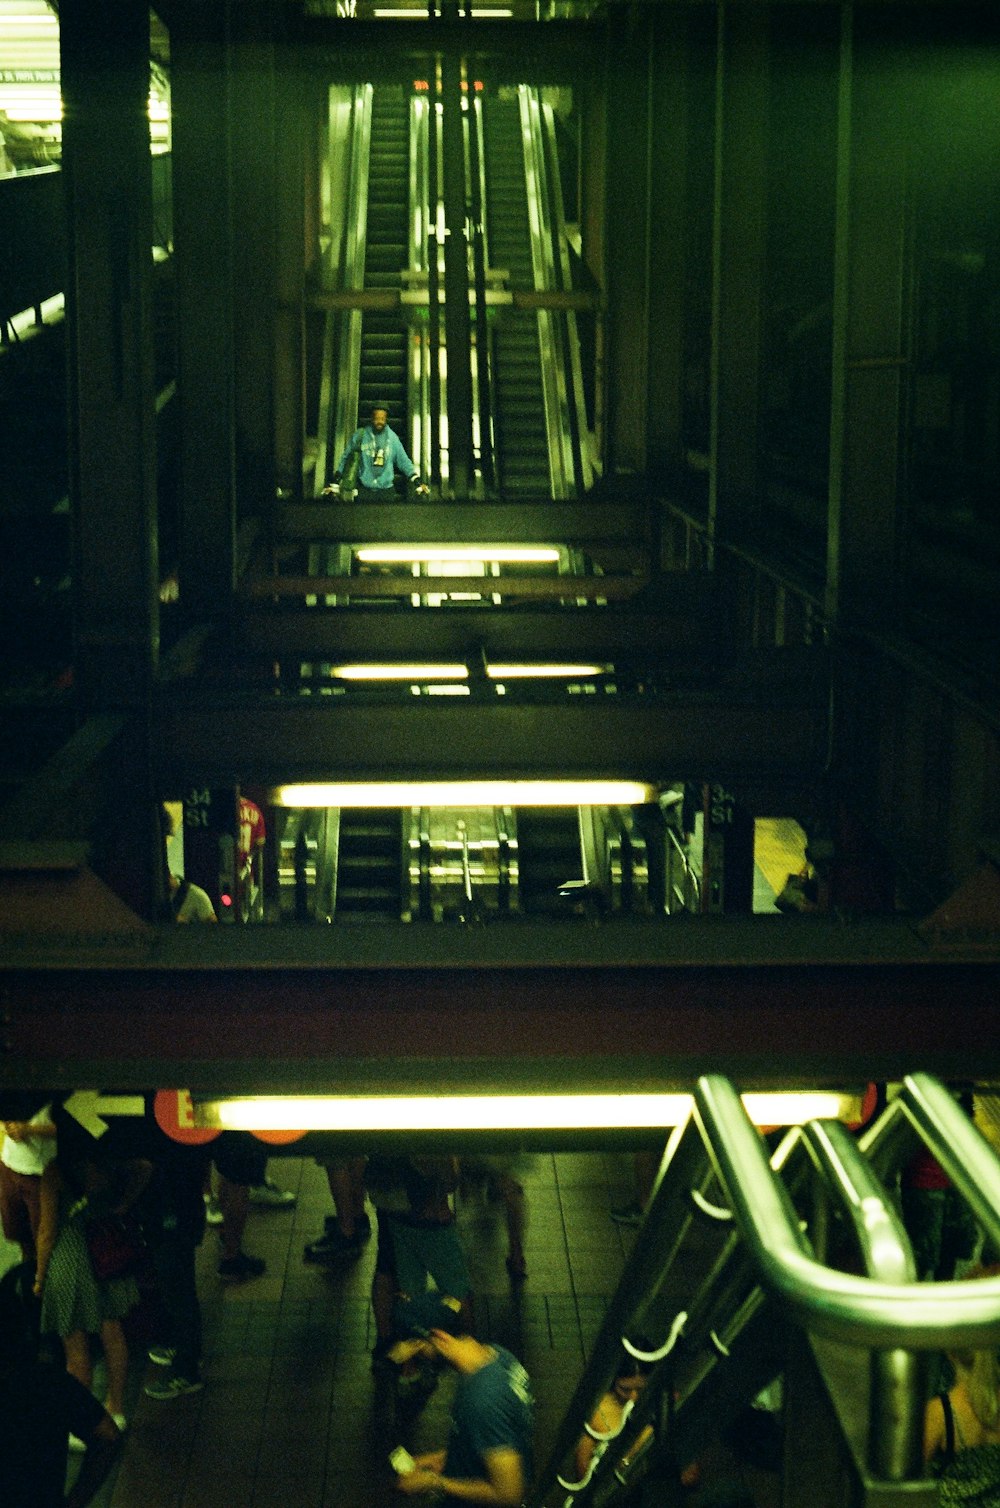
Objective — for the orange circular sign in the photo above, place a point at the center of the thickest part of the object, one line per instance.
(174, 1112)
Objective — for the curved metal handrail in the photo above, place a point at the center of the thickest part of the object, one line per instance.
(841, 1305)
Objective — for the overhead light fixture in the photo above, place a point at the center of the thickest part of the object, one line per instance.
(527, 1112)
(531, 672)
(362, 672)
(464, 793)
(32, 106)
(9, 20)
(420, 554)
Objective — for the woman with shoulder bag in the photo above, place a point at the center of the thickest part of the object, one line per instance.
(76, 1302)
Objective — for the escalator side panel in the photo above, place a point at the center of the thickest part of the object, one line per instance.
(521, 438)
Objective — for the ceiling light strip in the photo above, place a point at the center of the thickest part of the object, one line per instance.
(529, 1112)
(464, 793)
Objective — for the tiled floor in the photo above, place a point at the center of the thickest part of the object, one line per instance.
(291, 1413)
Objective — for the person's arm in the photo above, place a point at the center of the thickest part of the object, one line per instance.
(431, 1460)
(586, 1443)
(48, 1224)
(503, 1485)
(934, 1430)
(353, 444)
(103, 1446)
(138, 1171)
(407, 467)
(24, 1130)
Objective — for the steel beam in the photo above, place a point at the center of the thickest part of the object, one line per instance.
(682, 639)
(734, 738)
(609, 1008)
(580, 524)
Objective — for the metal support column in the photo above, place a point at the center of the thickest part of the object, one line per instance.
(203, 237)
(255, 239)
(671, 60)
(106, 172)
(739, 241)
(104, 59)
(300, 114)
(626, 243)
(868, 353)
(456, 282)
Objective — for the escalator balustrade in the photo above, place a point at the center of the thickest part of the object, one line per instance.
(521, 439)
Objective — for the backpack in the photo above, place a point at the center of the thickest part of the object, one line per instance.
(968, 1478)
(972, 1479)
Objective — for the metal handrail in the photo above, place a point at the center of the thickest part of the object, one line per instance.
(896, 1397)
(349, 366)
(839, 1305)
(886, 1313)
(691, 880)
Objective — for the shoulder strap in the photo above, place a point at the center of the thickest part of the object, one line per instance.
(180, 895)
(949, 1427)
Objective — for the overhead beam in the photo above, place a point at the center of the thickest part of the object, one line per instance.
(476, 523)
(512, 52)
(683, 638)
(733, 737)
(544, 588)
(614, 1007)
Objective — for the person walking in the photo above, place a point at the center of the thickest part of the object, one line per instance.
(381, 454)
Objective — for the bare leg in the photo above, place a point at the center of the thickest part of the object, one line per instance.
(78, 1362)
(116, 1362)
(383, 1294)
(515, 1208)
(234, 1202)
(346, 1179)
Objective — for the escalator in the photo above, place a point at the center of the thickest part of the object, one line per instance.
(520, 423)
(549, 858)
(383, 335)
(370, 863)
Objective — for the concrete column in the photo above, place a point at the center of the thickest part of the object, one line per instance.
(868, 354)
(203, 246)
(107, 179)
(739, 242)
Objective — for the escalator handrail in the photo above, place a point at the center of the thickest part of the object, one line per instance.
(964, 1154)
(345, 412)
(842, 1306)
(687, 869)
(556, 402)
(886, 1254)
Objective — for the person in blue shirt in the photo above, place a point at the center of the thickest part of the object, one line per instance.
(381, 454)
(488, 1455)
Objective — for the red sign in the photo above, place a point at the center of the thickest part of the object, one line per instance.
(175, 1115)
(174, 1112)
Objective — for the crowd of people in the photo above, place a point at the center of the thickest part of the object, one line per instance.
(96, 1219)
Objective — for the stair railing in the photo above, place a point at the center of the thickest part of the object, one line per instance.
(728, 1337)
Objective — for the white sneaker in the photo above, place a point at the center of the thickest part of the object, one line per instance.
(269, 1193)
